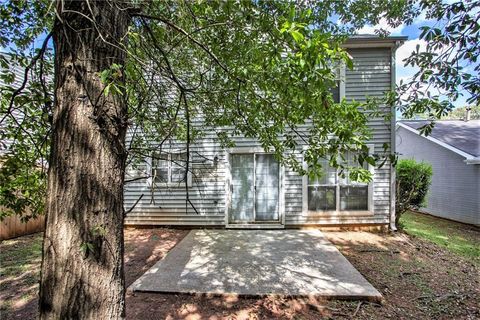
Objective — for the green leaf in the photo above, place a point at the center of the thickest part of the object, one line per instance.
(297, 35)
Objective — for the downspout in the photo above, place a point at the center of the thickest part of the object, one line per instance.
(393, 122)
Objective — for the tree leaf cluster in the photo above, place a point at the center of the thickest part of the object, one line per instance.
(449, 64)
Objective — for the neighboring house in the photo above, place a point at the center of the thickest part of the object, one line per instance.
(244, 187)
(453, 150)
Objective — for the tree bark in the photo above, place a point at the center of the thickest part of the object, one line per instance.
(82, 267)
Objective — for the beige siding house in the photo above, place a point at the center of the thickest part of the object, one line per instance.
(244, 187)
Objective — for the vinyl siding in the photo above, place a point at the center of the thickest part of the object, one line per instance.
(371, 74)
(455, 190)
(19, 74)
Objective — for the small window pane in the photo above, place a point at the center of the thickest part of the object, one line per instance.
(178, 175)
(161, 175)
(321, 198)
(179, 162)
(329, 175)
(160, 168)
(352, 162)
(336, 93)
(354, 198)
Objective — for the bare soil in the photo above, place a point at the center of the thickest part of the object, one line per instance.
(418, 279)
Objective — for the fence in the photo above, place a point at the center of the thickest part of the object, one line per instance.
(12, 227)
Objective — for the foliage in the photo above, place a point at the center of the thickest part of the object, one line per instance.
(449, 63)
(24, 135)
(22, 190)
(455, 114)
(460, 113)
(413, 181)
(261, 69)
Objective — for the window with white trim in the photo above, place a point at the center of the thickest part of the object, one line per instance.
(353, 195)
(331, 192)
(338, 91)
(169, 168)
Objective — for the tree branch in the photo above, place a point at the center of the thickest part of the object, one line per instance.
(190, 37)
(25, 76)
(134, 205)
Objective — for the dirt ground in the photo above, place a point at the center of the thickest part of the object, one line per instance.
(419, 280)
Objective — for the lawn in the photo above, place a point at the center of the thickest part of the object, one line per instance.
(457, 237)
(20, 260)
(417, 278)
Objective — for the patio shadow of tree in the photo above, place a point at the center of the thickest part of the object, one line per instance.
(257, 263)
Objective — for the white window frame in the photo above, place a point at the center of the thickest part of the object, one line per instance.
(169, 183)
(337, 211)
(341, 81)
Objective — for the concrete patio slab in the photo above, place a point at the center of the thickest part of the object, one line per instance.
(257, 263)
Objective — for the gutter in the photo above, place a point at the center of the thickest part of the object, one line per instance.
(374, 42)
(472, 160)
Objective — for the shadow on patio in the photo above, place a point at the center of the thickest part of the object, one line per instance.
(257, 263)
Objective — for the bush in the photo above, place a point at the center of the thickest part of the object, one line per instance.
(22, 189)
(413, 181)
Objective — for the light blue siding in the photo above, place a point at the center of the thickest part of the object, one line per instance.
(371, 76)
(455, 190)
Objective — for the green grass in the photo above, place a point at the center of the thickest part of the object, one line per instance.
(458, 238)
(20, 255)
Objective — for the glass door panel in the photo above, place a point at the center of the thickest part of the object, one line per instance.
(266, 188)
(242, 188)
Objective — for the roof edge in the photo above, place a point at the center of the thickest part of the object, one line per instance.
(372, 41)
(469, 158)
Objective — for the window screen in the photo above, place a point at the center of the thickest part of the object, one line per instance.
(322, 190)
(169, 167)
(330, 189)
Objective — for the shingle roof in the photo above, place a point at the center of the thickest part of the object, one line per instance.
(463, 135)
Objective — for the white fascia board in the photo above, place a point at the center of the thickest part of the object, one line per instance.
(372, 43)
(473, 160)
(467, 156)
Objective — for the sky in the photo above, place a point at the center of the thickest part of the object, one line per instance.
(412, 32)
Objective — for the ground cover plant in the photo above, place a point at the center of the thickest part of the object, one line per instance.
(456, 237)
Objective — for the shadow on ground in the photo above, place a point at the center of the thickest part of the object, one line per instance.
(419, 280)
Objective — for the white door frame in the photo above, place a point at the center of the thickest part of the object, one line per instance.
(228, 181)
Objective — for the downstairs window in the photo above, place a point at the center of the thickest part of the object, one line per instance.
(331, 192)
(169, 168)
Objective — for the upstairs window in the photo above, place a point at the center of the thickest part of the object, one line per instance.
(336, 92)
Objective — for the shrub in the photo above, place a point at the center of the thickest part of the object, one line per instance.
(22, 189)
(413, 181)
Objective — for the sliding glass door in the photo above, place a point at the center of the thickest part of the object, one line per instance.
(254, 188)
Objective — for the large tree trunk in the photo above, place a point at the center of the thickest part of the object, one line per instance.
(82, 268)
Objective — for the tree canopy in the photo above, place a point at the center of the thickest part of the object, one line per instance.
(259, 69)
(449, 66)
